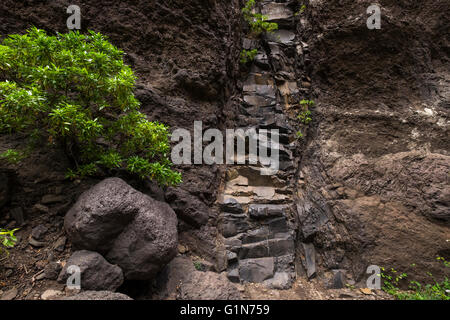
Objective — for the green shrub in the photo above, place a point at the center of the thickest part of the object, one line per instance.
(258, 22)
(12, 156)
(248, 55)
(436, 290)
(75, 91)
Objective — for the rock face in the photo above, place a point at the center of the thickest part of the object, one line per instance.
(96, 273)
(129, 228)
(96, 295)
(180, 280)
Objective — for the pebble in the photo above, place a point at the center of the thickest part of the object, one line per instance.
(10, 294)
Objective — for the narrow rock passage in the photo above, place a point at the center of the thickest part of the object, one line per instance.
(257, 218)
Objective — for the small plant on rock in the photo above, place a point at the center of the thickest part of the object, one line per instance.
(7, 239)
(198, 265)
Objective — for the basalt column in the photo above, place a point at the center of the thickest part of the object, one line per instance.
(257, 220)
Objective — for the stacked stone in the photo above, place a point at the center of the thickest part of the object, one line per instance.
(257, 211)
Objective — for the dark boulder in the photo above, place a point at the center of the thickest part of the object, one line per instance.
(96, 272)
(129, 228)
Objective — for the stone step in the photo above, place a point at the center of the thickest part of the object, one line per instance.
(264, 211)
(264, 251)
(233, 275)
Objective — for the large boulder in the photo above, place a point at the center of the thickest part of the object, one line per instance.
(128, 227)
(96, 272)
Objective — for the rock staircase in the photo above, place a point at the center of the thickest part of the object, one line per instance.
(257, 219)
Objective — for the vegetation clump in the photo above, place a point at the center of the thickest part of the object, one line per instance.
(74, 91)
(436, 290)
(258, 22)
(301, 10)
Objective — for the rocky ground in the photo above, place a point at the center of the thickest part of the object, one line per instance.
(368, 184)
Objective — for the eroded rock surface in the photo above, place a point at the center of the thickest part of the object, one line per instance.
(257, 211)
